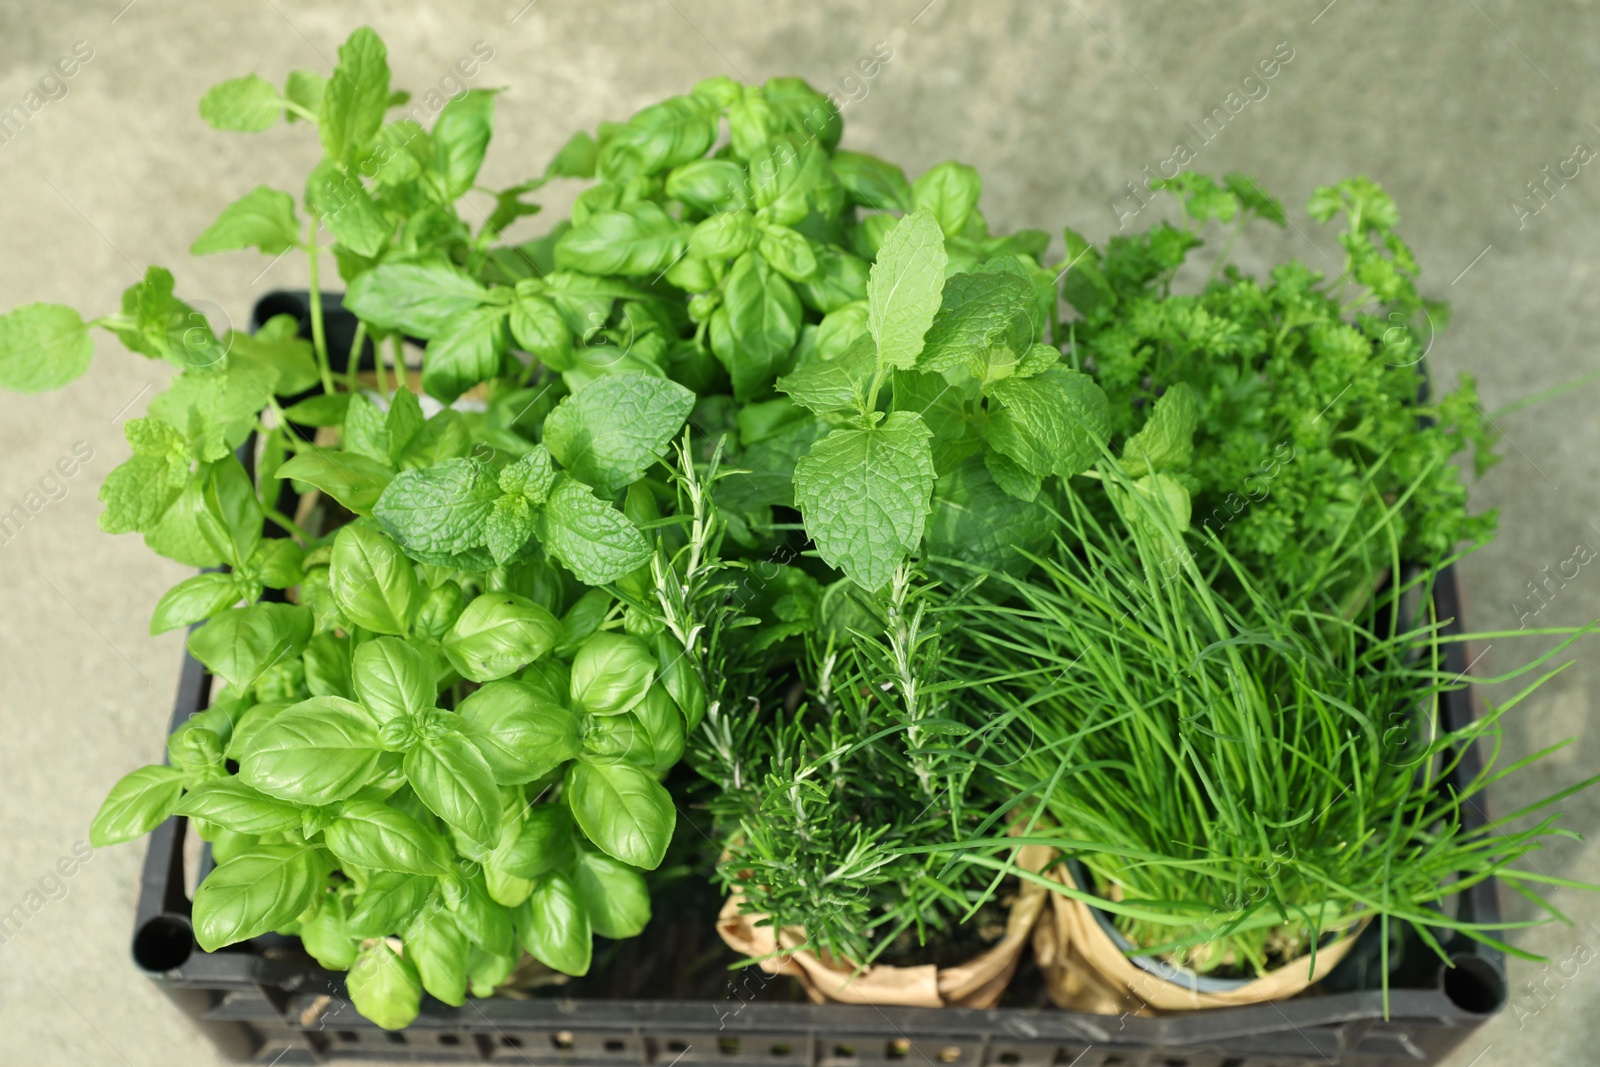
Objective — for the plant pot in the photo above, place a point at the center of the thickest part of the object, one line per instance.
(976, 983)
(1087, 965)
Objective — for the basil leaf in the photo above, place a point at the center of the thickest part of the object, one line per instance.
(137, 804)
(263, 218)
(241, 644)
(356, 96)
(521, 735)
(438, 949)
(231, 517)
(327, 660)
(233, 805)
(677, 130)
(498, 634)
(633, 239)
(193, 600)
(460, 136)
(904, 289)
(754, 331)
(948, 191)
(438, 514)
(662, 725)
(538, 328)
(384, 987)
(467, 350)
(1055, 423)
(865, 496)
(611, 431)
(388, 903)
(450, 776)
(710, 185)
(622, 809)
(681, 680)
(392, 679)
(376, 837)
(414, 298)
(374, 583)
(326, 935)
(248, 105)
(486, 923)
(540, 844)
(611, 673)
(588, 536)
(254, 893)
(353, 480)
(317, 752)
(788, 251)
(554, 926)
(486, 971)
(872, 182)
(614, 895)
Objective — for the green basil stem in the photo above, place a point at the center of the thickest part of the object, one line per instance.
(377, 367)
(353, 361)
(319, 339)
(399, 356)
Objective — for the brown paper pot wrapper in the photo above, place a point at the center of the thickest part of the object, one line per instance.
(1085, 971)
(976, 983)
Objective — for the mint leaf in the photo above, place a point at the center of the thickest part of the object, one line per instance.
(305, 88)
(531, 476)
(415, 298)
(1054, 423)
(1012, 478)
(342, 202)
(1167, 440)
(834, 385)
(609, 432)
(356, 96)
(437, 514)
(636, 238)
(365, 430)
(248, 104)
(509, 526)
(42, 346)
(588, 536)
(978, 312)
(904, 288)
(263, 218)
(980, 521)
(865, 495)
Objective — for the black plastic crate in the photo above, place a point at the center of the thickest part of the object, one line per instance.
(669, 997)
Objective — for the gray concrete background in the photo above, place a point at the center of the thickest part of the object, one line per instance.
(1453, 106)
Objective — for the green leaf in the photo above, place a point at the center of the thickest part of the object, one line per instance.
(788, 251)
(978, 312)
(384, 987)
(1055, 423)
(576, 158)
(233, 805)
(865, 495)
(539, 329)
(137, 804)
(614, 895)
(376, 837)
(1167, 440)
(305, 88)
(438, 514)
(439, 950)
(241, 644)
(609, 432)
(485, 922)
(681, 680)
(387, 904)
(553, 926)
(328, 409)
(611, 673)
(588, 536)
(979, 521)
(1011, 477)
(337, 196)
(450, 776)
(499, 634)
(834, 385)
(326, 935)
(42, 346)
(231, 516)
(1155, 502)
(353, 480)
(365, 431)
(460, 136)
(374, 583)
(177, 534)
(320, 751)
(520, 733)
(634, 239)
(415, 298)
(872, 182)
(392, 679)
(255, 893)
(949, 191)
(904, 289)
(193, 600)
(467, 350)
(677, 130)
(263, 218)
(356, 96)
(509, 526)
(542, 843)
(622, 809)
(248, 104)
(710, 185)
(724, 235)
(757, 326)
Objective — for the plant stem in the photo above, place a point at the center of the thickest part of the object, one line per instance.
(288, 524)
(398, 353)
(353, 361)
(377, 366)
(319, 339)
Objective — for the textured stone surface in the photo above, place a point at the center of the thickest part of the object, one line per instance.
(1452, 106)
